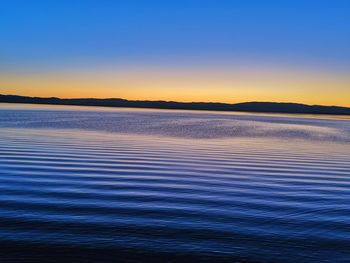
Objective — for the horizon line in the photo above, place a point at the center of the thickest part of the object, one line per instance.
(254, 106)
(173, 101)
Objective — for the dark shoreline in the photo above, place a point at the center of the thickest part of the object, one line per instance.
(258, 107)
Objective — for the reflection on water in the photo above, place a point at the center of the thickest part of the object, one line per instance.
(90, 185)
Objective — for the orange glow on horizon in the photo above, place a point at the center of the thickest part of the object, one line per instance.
(228, 86)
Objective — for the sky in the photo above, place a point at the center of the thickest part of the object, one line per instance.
(184, 50)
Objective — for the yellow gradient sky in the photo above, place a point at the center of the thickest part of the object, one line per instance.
(182, 50)
(186, 84)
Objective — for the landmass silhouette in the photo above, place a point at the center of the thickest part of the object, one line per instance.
(269, 107)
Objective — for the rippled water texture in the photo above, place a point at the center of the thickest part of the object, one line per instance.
(107, 185)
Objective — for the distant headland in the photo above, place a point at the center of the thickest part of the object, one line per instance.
(268, 107)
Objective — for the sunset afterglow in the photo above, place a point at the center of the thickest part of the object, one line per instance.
(184, 51)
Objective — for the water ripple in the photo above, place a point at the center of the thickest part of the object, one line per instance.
(221, 199)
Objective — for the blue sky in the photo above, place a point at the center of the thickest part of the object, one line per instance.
(47, 35)
(39, 32)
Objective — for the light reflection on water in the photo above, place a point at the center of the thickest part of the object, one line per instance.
(173, 185)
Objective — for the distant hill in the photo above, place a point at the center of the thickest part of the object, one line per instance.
(272, 107)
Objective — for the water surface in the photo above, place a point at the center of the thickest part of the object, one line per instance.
(87, 184)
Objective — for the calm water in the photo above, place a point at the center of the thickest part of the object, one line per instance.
(109, 185)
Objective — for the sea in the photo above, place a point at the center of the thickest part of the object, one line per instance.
(98, 184)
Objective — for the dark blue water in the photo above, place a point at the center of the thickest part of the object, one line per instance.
(102, 185)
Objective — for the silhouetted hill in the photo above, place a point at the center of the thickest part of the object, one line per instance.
(247, 106)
